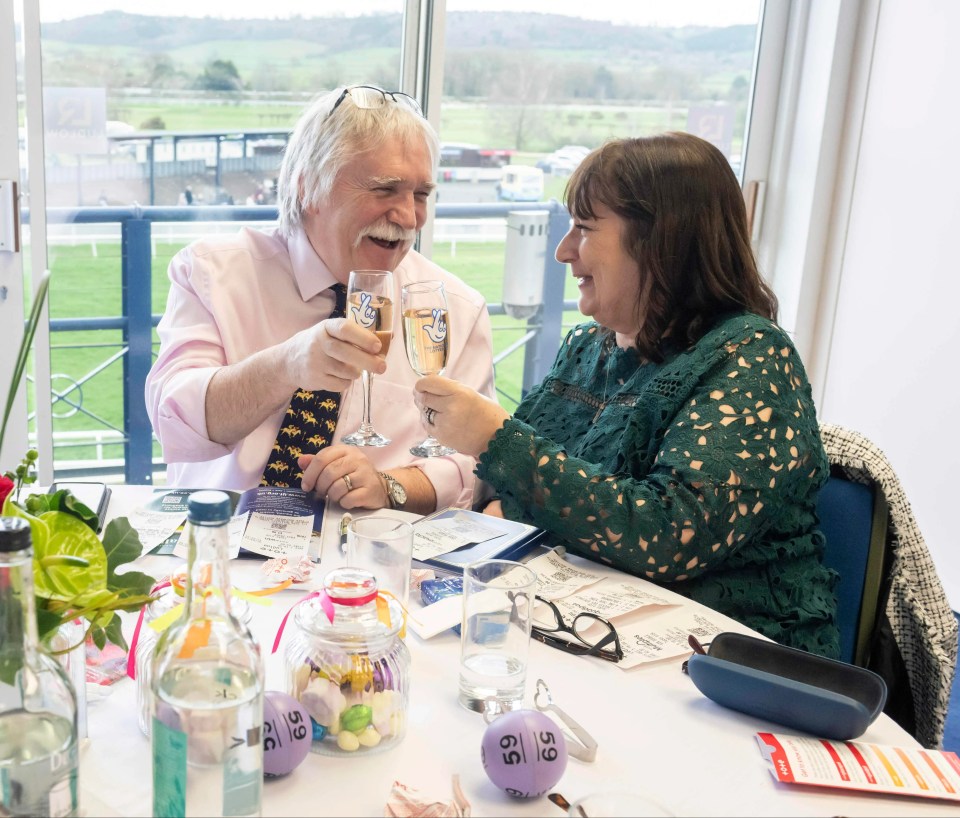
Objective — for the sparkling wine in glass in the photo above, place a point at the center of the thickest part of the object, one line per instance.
(427, 340)
(370, 300)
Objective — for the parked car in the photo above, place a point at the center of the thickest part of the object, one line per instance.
(563, 161)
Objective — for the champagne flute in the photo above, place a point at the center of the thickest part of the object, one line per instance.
(370, 304)
(427, 342)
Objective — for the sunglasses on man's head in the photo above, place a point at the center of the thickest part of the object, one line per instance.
(369, 97)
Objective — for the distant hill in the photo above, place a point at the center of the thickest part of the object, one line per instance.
(465, 30)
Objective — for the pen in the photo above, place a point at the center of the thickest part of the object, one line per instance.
(344, 522)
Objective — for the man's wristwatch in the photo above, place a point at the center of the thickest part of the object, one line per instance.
(396, 493)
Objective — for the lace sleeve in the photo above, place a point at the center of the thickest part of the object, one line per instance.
(741, 450)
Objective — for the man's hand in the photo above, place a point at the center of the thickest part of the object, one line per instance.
(345, 475)
(327, 356)
(462, 417)
(332, 354)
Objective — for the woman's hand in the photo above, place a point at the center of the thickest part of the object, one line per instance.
(494, 509)
(457, 415)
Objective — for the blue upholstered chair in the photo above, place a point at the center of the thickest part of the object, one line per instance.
(853, 518)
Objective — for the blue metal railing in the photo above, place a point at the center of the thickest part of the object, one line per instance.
(137, 319)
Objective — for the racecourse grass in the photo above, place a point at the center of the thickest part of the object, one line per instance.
(87, 368)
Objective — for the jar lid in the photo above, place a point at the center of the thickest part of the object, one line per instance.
(350, 586)
(14, 534)
(351, 597)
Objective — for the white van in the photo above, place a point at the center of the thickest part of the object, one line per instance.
(520, 183)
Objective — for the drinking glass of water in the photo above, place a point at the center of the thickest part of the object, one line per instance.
(498, 600)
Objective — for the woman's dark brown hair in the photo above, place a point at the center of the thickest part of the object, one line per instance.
(686, 226)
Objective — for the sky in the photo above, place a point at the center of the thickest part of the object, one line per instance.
(639, 12)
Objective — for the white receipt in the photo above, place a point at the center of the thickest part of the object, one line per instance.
(668, 638)
(234, 533)
(277, 535)
(154, 527)
(558, 578)
(434, 537)
(612, 598)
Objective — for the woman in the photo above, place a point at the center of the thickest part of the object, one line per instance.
(675, 437)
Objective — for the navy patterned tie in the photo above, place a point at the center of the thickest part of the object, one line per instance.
(308, 424)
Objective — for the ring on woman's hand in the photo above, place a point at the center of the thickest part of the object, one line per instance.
(348, 482)
(430, 414)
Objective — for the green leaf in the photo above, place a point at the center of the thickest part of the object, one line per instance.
(68, 536)
(132, 582)
(48, 622)
(121, 544)
(132, 603)
(99, 636)
(23, 353)
(39, 530)
(37, 504)
(66, 501)
(114, 632)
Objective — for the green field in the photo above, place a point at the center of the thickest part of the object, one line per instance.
(84, 285)
(546, 127)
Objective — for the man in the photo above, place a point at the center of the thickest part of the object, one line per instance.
(248, 323)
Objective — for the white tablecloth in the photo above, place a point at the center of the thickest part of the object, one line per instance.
(657, 735)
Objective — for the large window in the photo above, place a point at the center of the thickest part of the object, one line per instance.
(189, 104)
(541, 89)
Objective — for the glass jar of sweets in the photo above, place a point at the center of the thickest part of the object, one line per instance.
(348, 666)
(169, 598)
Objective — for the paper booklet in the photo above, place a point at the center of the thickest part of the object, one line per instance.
(861, 766)
(268, 521)
(454, 537)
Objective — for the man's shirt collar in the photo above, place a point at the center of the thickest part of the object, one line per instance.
(312, 275)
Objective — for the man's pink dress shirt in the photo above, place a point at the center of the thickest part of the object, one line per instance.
(235, 295)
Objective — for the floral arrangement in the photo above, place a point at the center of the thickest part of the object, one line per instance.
(75, 573)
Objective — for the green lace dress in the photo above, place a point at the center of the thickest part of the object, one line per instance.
(701, 472)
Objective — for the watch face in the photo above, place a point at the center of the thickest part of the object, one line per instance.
(398, 495)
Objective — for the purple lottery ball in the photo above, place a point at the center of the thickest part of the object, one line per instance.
(524, 753)
(286, 733)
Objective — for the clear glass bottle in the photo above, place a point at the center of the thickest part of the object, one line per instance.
(166, 601)
(207, 686)
(348, 666)
(69, 647)
(38, 708)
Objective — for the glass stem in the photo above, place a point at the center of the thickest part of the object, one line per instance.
(366, 425)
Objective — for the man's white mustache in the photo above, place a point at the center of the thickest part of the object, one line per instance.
(386, 231)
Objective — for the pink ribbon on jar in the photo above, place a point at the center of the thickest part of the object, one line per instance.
(132, 653)
(326, 604)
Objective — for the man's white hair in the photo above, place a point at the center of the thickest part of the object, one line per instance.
(322, 142)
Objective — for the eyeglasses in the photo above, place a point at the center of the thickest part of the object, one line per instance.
(369, 96)
(606, 645)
